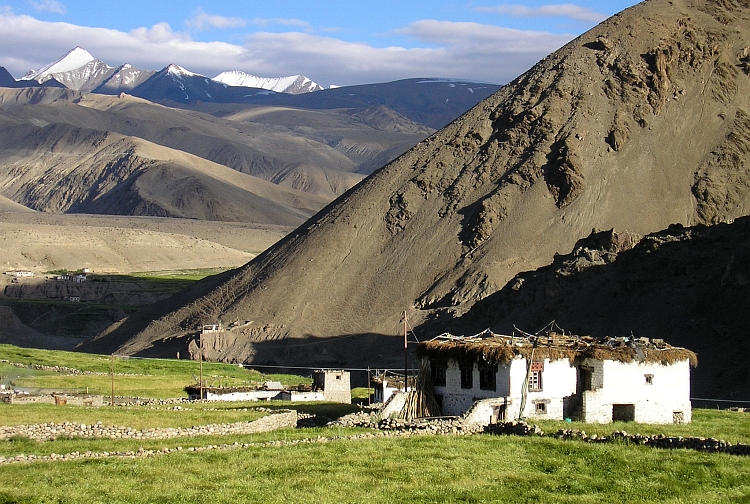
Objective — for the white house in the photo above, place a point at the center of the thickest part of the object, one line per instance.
(20, 273)
(557, 377)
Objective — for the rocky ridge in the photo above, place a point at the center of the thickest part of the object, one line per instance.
(636, 125)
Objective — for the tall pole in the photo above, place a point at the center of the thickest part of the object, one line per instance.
(112, 379)
(406, 358)
(200, 360)
(369, 396)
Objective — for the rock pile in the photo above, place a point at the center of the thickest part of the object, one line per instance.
(426, 426)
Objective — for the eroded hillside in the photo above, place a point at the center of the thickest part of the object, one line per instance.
(636, 125)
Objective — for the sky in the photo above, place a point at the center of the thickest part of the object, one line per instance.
(333, 42)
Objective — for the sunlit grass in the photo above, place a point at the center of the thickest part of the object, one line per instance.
(479, 468)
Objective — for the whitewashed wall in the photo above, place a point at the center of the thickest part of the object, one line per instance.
(612, 383)
(625, 383)
(457, 401)
(300, 396)
(558, 381)
(250, 395)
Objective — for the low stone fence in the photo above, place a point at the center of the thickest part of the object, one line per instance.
(426, 426)
(71, 399)
(712, 445)
(51, 431)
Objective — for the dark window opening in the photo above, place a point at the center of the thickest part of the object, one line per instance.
(541, 408)
(438, 374)
(623, 412)
(649, 379)
(467, 377)
(488, 378)
(584, 379)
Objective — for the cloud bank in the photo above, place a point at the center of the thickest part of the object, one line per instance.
(473, 51)
(567, 10)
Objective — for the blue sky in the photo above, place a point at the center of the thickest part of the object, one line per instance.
(332, 42)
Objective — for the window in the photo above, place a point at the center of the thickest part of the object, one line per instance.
(535, 376)
(535, 381)
(649, 379)
(467, 377)
(488, 378)
(438, 374)
(541, 408)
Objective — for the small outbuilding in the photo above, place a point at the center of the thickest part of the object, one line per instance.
(335, 384)
(557, 376)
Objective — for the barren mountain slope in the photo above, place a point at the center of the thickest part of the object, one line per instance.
(688, 286)
(642, 122)
(280, 152)
(61, 168)
(7, 205)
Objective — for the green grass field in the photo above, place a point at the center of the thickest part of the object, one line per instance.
(479, 468)
(156, 378)
(471, 469)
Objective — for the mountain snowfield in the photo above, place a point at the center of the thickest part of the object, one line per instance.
(293, 84)
(80, 71)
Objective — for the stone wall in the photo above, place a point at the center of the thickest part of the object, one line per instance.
(51, 431)
(72, 399)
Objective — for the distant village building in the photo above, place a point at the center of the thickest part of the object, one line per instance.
(330, 386)
(267, 392)
(387, 384)
(77, 278)
(336, 385)
(20, 273)
(558, 377)
(73, 299)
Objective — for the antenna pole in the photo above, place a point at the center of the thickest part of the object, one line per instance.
(406, 358)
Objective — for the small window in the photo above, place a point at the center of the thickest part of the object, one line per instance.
(541, 408)
(488, 378)
(438, 374)
(535, 381)
(649, 379)
(467, 377)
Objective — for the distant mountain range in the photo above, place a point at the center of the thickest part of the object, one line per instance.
(431, 102)
(80, 71)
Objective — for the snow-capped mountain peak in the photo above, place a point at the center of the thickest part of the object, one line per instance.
(178, 71)
(293, 84)
(72, 60)
(77, 70)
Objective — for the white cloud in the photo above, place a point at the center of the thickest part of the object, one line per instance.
(52, 6)
(202, 21)
(459, 50)
(568, 10)
(158, 34)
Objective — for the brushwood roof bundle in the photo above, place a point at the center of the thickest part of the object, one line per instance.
(490, 348)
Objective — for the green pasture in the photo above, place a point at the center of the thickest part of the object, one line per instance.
(160, 282)
(155, 378)
(431, 468)
(480, 468)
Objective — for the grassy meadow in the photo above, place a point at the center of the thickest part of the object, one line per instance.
(337, 467)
